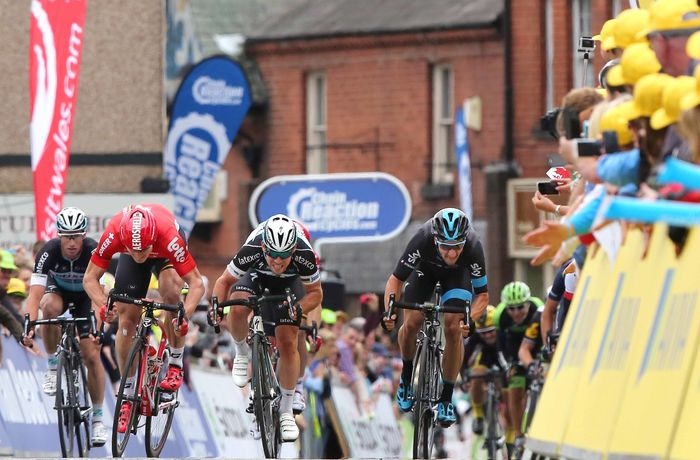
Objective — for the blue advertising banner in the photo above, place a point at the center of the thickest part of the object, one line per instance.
(208, 110)
(336, 207)
(464, 169)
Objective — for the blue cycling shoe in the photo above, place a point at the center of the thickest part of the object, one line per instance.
(404, 397)
(446, 414)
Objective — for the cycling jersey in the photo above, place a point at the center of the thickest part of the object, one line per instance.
(478, 353)
(250, 258)
(50, 267)
(422, 255)
(511, 335)
(169, 243)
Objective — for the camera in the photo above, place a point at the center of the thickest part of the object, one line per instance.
(548, 122)
(587, 148)
(586, 45)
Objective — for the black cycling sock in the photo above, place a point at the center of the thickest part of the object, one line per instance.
(447, 389)
(407, 370)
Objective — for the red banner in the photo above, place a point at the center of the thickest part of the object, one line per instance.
(54, 64)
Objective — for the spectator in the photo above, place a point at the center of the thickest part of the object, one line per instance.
(17, 293)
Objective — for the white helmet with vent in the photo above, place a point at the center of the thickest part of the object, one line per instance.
(71, 221)
(280, 233)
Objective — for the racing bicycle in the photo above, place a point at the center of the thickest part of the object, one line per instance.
(146, 362)
(72, 401)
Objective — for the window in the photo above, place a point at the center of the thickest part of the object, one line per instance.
(549, 54)
(443, 145)
(316, 156)
(581, 26)
(617, 7)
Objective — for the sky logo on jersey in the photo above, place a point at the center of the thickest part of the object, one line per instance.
(337, 207)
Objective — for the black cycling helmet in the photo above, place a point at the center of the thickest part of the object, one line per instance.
(450, 226)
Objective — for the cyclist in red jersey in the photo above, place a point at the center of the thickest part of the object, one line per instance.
(149, 240)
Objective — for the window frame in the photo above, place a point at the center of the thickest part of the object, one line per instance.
(316, 123)
(442, 158)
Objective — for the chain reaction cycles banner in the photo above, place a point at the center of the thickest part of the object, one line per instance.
(56, 42)
(208, 110)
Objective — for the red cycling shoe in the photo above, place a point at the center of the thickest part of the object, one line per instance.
(173, 379)
(124, 417)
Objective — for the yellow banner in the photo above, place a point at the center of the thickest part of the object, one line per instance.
(552, 414)
(604, 373)
(685, 442)
(661, 363)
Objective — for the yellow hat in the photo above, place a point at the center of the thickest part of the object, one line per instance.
(614, 120)
(637, 60)
(647, 96)
(671, 100)
(692, 46)
(628, 24)
(17, 288)
(606, 37)
(668, 15)
(7, 260)
(692, 99)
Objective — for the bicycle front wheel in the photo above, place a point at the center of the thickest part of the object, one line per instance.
(266, 398)
(134, 365)
(82, 429)
(161, 419)
(66, 406)
(425, 375)
(530, 406)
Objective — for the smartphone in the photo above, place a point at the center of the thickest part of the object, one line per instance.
(547, 188)
(555, 160)
(587, 148)
(572, 124)
(610, 143)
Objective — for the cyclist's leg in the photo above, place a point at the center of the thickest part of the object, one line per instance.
(90, 351)
(131, 279)
(516, 398)
(477, 391)
(170, 288)
(418, 288)
(51, 305)
(238, 325)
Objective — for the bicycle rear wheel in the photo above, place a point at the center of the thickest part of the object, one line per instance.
(159, 422)
(134, 365)
(424, 391)
(492, 428)
(66, 406)
(266, 398)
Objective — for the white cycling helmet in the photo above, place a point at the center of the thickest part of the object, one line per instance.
(280, 233)
(71, 221)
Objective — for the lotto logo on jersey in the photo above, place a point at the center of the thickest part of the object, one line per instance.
(177, 251)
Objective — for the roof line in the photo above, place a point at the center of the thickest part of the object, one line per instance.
(470, 26)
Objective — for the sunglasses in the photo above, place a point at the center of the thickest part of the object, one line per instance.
(516, 307)
(73, 236)
(447, 246)
(277, 254)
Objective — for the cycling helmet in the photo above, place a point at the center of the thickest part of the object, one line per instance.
(280, 233)
(450, 226)
(71, 221)
(138, 228)
(486, 322)
(515, 293)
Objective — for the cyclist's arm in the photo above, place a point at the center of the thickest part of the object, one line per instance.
(92, 286)
(312, 297)
(525, 352)
(196, 290)
(550, 308)
(479, 304)
(223, 284)
(36, 291)
(393, 286)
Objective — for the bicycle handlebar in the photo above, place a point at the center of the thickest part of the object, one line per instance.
(393, 303)
(148, 304)
(60, 321)
(252, 302)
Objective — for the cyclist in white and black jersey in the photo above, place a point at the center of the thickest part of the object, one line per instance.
(57, 280)
(273, 257)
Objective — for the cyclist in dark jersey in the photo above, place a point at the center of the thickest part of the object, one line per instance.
(447, 250)
(273, 257)
(56, 282)
(517, 318)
